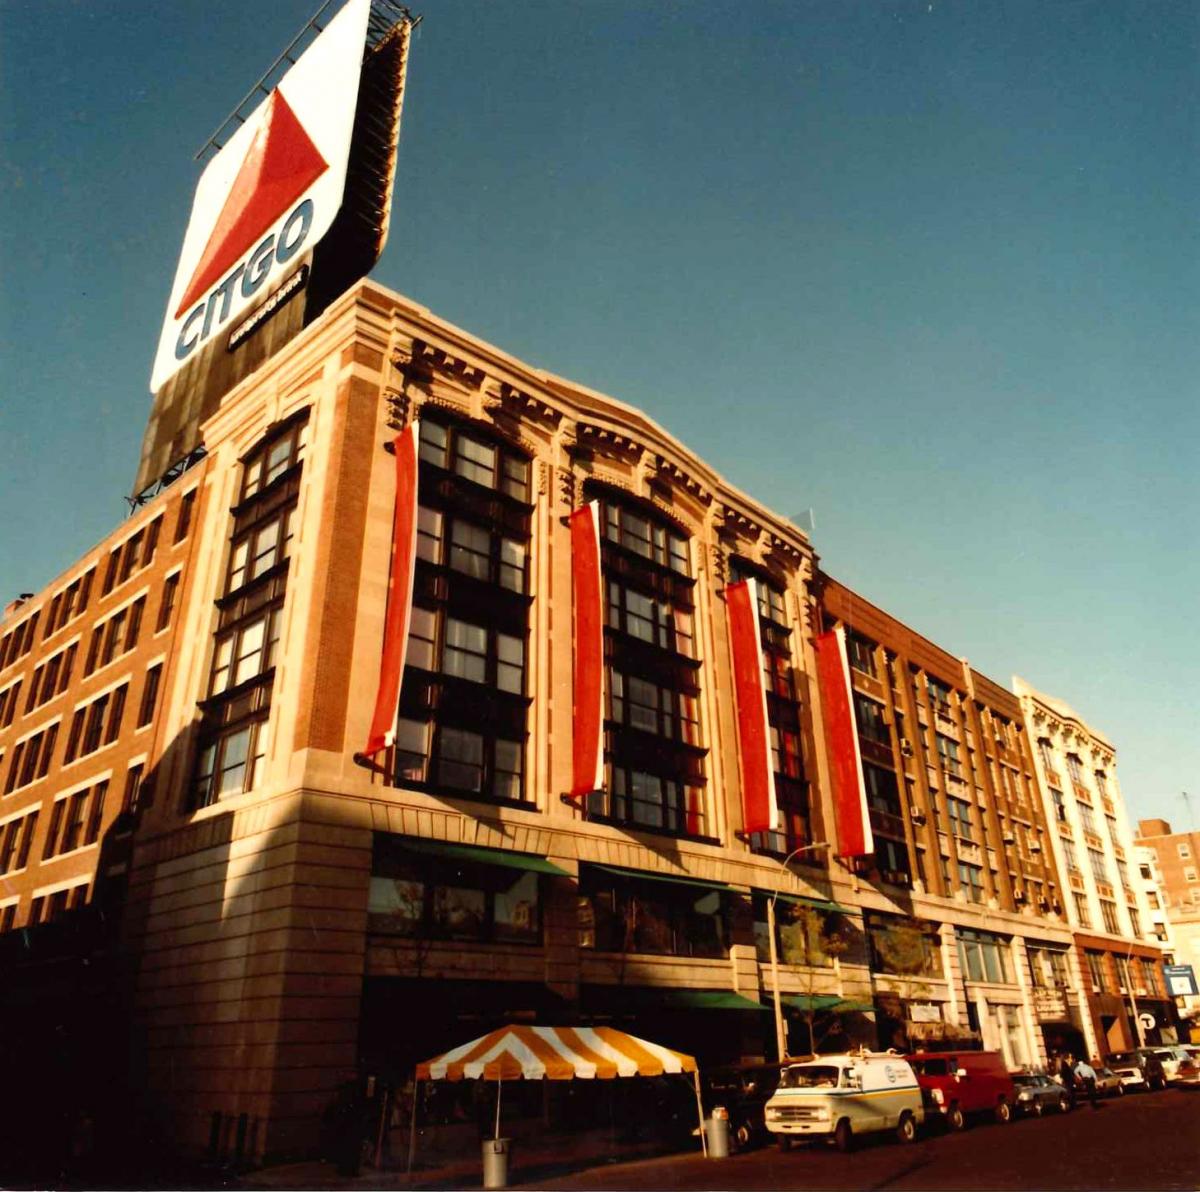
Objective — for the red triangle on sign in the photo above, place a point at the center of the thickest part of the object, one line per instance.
(280, 165)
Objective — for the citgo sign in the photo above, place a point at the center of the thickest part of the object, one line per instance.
(271, 193)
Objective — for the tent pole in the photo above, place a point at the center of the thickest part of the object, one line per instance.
(700, 1112)
(499, 1090)
(412, 1129)
(383, 1117)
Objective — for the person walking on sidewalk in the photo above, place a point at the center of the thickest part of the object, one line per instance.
(1066, 1074)
(1085, 1075)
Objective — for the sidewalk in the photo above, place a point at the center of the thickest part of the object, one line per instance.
(531, 1161)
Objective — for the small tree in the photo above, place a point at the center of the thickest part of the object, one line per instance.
(810, 939)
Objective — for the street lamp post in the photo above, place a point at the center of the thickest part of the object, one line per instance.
(780, 1040)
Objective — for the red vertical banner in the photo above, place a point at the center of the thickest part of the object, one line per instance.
(841, 740)
(760, 809)
(587, 643)
(400, 592)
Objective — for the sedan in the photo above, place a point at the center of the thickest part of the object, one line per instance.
(1037, 1093)
(1108, 1083)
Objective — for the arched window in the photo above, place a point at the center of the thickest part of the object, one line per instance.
(653, 751)
(463, 703)
(784, 714)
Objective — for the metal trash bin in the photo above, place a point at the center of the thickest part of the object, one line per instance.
(717, 1129)
(495, 1162)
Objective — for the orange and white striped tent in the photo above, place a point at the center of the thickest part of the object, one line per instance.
(555, 1053)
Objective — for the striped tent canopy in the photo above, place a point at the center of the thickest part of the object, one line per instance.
(555, 1053)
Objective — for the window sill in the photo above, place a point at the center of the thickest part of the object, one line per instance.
(447, 792)
(650, 830)
(74, 852)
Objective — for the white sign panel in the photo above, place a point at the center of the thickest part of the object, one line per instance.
(269, 195)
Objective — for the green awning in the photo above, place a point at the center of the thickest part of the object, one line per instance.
(643, 875)
(483, 856)
(817, 904)
(809, 1001)
(707, 999)
(631, 998)
(827, 1001)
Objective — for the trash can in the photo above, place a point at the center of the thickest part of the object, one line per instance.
(495, 1162)
(718, 1133)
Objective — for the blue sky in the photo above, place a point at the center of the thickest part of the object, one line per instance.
(929, 269)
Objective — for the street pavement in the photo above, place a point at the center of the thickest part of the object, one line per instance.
(1143, 1141)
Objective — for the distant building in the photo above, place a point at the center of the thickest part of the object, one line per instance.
(961, 845)
(1174, 858)
(1093, 845)
(85, 666)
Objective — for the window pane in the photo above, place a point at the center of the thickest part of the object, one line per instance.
(233, 762)
(508, 770)
(469, 549)
(516, 478)
(460, 913)
(461, 759)
(237, 564)
(510, 665)
(266, 548)
(250, 644)
(429, 534)
(512, 565)
(475, 461)
(412, 750)
(422, 637)
(434, 439)
(516, 910)
(395, 905)
(465, 653)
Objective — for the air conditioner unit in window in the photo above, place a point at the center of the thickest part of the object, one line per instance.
(1057, 907)
(1044, 903)
(917, 816)
(1034, 847)
(1019, 895)
(906, 747)
(1009, 838)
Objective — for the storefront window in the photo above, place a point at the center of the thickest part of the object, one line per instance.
(903, 947)
(984, 957)
(662, 918)
(433, 897)
(805, 935)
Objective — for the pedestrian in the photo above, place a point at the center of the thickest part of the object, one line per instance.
(1085, 1075)
(1066, 1073)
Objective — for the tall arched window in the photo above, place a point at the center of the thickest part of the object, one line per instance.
(784, 712)
(463, 701)
(654, 757)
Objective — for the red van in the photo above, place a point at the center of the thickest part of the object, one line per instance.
(959, 1084)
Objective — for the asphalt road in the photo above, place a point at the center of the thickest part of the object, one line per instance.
(1143, 1141)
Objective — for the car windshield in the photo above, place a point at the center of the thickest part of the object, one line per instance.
(1026, 1081)
(812, 1076)
(1123, 1057)
(929, 1067)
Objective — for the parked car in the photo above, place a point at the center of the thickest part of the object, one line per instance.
(1108, 1083)
(744, 1090)
(1037, 1093)
(1179, 1065)
(1139, 1069)
(843, 1096)
(957, 1085)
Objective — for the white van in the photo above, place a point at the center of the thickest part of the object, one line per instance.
(844, 1095)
